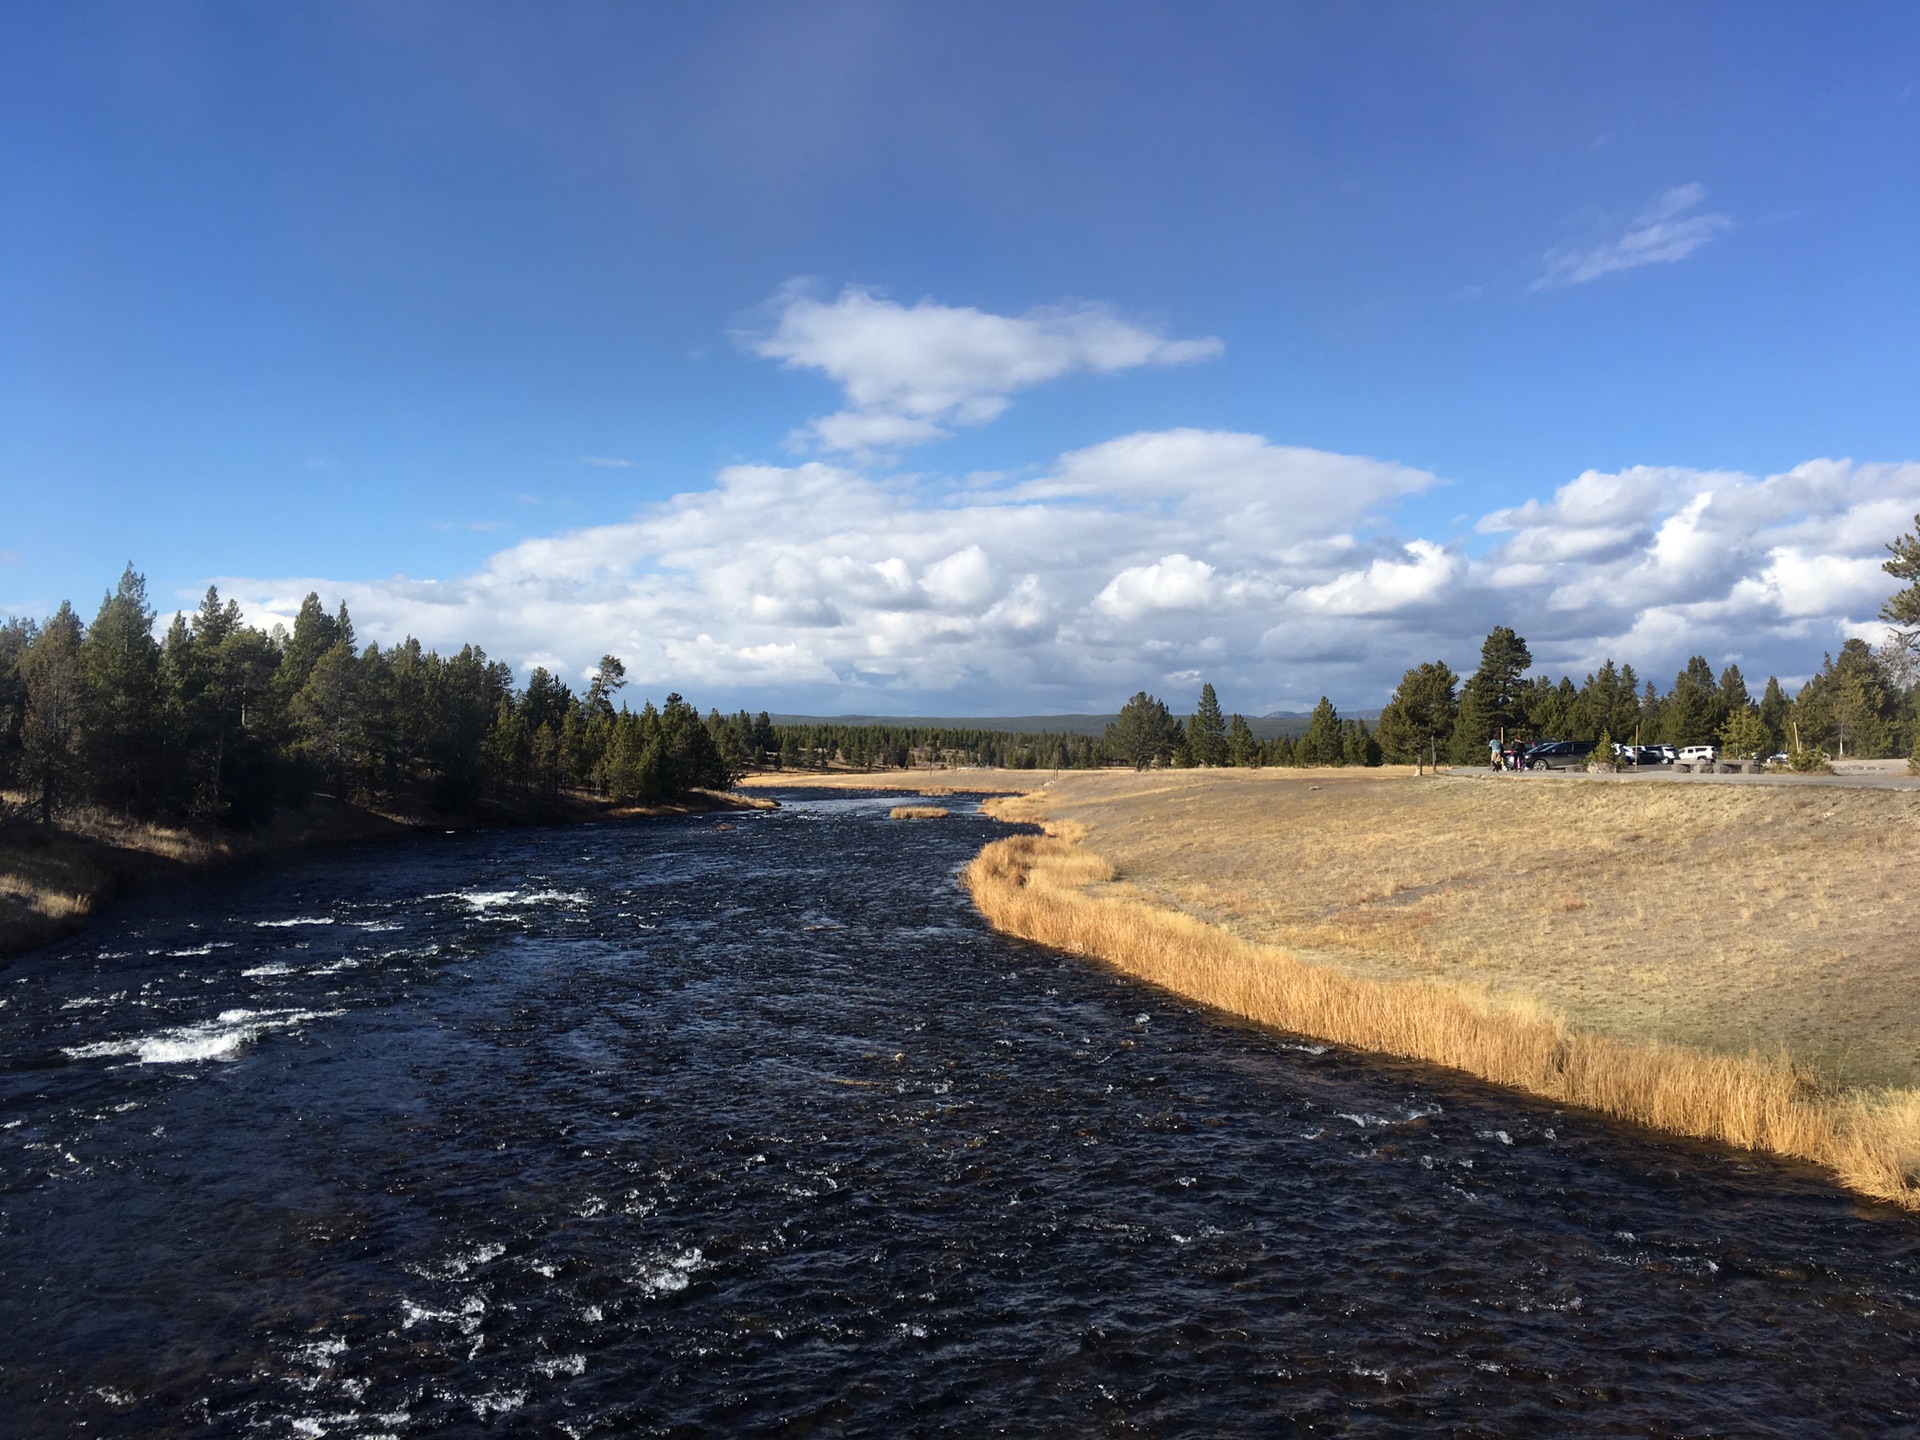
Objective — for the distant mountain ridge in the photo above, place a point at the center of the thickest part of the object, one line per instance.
(1266, 727)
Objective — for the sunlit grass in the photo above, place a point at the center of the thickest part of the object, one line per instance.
(1055, 891)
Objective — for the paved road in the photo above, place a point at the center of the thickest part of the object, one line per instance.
(1851, 780)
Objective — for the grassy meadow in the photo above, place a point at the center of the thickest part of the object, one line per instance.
(1732, 962)
(1731, 917)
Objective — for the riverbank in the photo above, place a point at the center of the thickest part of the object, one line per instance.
(1716, 962)
(54, 878)
(974, 780)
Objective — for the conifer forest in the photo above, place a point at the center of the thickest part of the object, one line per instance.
(218, 721)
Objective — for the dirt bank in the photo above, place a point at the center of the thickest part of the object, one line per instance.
(53, 879)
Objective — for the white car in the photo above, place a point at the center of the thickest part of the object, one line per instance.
(1699, 754)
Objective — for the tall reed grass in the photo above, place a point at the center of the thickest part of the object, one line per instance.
(1050, 890)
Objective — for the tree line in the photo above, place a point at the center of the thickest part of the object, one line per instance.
(221, 721)
(1863, 703)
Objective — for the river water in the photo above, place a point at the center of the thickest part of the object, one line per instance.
(751, 1127)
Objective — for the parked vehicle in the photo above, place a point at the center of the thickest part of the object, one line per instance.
(1559, 754)
(1699, 754)
(1652, 755)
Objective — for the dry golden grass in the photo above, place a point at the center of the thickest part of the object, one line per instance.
(52, 879)
(983, 781)
(1051, 890)
(1732, 918)
(54, 904)
(918, 812)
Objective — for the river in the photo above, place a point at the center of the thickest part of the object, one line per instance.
(751, 1127)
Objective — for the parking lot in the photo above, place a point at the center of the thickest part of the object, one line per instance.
(1848, 774)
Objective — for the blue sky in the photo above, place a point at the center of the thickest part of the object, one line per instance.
(974, 359)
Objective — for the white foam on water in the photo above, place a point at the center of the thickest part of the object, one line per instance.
(82, 1002)
(497, 1402)
(1368, 1122)
(295, 920)
(222, 1038)
(667, 1273)
(479, 899)
(559, 897)
(275, 968)
(321, 1352)
(466, 1319)
(377, 924)
(556, 1365)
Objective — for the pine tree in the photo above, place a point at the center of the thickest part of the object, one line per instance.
(1417, 723)
(1626, 718)
(1743, 737)
(1902, 610)
(1491, 702)
(330, 721)
(1687, 713)
(1848, 708)
(1357, 746)
(51, 768)
(1603, 756)
(1775, 714)
(1142, 733)
(314, 633)
(1323, 743)
(1652, 718)
(15, 636)
(608, 680)
(1207, 735)
(1731, 695)
(1243, 749)
(121, 733)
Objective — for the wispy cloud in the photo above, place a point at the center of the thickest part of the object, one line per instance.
(606, 462)
(1665, 232)
(910, 372)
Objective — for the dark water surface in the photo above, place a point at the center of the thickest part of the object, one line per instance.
(673, 1128)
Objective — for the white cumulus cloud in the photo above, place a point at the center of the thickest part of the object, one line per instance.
(909, 372)
(1173, 582)
(1146, 560)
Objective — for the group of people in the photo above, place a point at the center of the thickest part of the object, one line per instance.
(1506, 754)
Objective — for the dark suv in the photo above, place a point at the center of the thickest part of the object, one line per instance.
(1558, 755)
